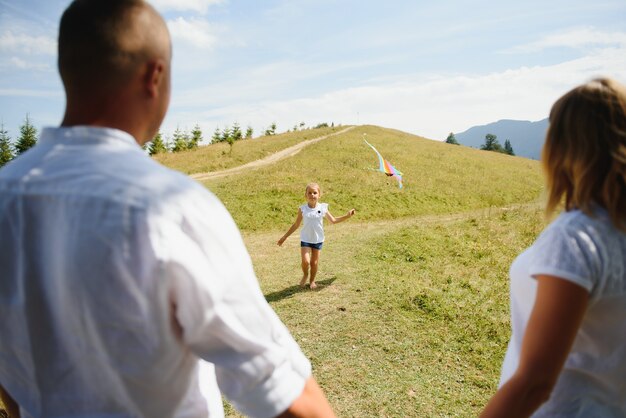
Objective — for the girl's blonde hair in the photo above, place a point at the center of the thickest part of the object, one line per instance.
(313, 186)
(584, 155)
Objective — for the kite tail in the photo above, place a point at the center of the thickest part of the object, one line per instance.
(399, 180)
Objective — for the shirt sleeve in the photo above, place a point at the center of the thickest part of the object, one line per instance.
(224, 315)
(567, 252)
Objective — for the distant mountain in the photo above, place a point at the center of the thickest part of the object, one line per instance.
(526, 137)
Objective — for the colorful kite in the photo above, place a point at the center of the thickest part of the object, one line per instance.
(386, 167)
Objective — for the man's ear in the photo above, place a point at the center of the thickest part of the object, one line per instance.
(154, 77)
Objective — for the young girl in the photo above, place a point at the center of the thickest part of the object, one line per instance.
(567, 354)
(312, 233)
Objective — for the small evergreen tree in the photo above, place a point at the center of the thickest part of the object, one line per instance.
(231, 142)
(249, 132)
(168, 143)
(181, 141)
(28, 137)
(491, 144)
(271, 130)
(196, 137)
(157, 145)
(508, 148)
(6, 149)
(226, 135)
(217, 136)
(451, 139)
(236, 132)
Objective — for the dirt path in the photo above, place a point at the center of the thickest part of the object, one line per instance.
(270, 159)
(258, 240)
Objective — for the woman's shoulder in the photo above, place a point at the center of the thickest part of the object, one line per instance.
(592, 234)
(577, 220)
(573, 247)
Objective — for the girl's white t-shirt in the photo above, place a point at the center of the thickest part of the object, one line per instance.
(590, 252)
(313, 223)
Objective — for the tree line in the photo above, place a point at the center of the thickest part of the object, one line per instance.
(180, 140)
(491, 144)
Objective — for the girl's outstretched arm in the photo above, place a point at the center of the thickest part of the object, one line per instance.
(334, 220)
(295, 226)
(553, 325)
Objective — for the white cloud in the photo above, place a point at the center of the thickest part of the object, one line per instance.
(576, 38)
(31, 93)
(20, 64)
(431, 106)
(195, 32)
(200, 6)
(27, 44)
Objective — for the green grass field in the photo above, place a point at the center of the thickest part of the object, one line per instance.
(411, 319)
(411, 316)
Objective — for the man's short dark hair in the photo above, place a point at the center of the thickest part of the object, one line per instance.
(94, 49)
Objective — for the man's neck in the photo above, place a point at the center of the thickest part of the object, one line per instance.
(103, 115)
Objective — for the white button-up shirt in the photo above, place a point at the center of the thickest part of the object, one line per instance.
(116, 275)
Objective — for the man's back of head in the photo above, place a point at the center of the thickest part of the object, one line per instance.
(114, 57)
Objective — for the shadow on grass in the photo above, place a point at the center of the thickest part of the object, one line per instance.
(292, 290)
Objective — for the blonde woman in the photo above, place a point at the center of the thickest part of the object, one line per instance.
(567, 354)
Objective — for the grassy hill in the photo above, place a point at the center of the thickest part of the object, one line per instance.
(220, 157)
(411, 319)
(438, 179)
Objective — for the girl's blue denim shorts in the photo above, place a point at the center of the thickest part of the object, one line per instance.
(317, 246)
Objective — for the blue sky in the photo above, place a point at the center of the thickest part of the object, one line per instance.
(424, 67)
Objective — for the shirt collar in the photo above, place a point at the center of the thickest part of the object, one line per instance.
(84, 134)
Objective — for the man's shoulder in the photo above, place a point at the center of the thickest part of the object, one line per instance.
(116, 171)
(155, 182)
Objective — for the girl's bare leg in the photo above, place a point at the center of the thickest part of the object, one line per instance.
(315, 256)
(305, 252)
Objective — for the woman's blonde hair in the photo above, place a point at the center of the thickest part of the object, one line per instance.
(584, 155)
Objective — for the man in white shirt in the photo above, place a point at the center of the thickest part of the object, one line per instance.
(118, 274)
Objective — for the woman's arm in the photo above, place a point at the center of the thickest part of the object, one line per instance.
(334, 220)
(295, 226)
(552, 327)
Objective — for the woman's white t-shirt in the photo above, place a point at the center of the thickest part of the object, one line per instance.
(590, 252)
(313, 223)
